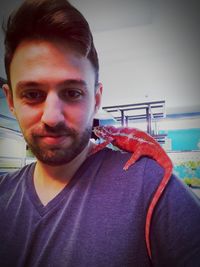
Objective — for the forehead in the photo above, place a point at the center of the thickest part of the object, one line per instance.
(41, 59)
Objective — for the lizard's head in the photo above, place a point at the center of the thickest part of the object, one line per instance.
(104, 131)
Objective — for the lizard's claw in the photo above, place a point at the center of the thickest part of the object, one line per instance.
(126, 167)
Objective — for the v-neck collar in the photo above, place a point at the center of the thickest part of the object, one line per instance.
(63, 194)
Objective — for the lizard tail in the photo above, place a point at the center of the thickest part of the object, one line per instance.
(152, 205)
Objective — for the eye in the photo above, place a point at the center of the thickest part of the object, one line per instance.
(33, 96)
(72, 94)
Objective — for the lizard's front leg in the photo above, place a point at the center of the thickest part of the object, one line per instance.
(99, 147)
(142, 149)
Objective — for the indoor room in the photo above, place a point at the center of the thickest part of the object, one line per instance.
(99, 133)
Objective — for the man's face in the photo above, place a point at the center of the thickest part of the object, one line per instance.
(53, 99)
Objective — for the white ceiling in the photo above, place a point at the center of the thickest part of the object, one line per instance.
(148, 50)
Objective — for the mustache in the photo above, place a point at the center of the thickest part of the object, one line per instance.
(58, 130)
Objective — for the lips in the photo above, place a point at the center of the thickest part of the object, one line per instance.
(53, 139)
(53, 136)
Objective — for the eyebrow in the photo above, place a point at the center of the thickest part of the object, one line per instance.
(80, 82)
(40, 84)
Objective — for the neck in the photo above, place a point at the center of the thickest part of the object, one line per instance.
(65, 171)
(50, 180)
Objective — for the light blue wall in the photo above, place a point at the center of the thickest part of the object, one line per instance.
(185, 139)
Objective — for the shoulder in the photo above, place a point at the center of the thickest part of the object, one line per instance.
(12, 178)
(109, 156)
(116, 159)
(144, 175)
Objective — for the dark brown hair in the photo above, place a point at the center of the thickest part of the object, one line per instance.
(51, 20)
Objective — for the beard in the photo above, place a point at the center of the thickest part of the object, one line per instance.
(60, 154)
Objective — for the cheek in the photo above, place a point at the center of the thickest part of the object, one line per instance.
(82, 116)
(26, 116)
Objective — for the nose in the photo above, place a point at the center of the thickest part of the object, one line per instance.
(52, 110)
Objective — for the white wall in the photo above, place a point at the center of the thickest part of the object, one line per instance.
(159, 60)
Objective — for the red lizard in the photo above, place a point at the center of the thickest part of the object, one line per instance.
(140, 144)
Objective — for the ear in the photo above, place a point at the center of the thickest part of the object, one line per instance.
(98, 96)
(9, 97)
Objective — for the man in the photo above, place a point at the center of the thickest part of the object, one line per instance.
(71, 208)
